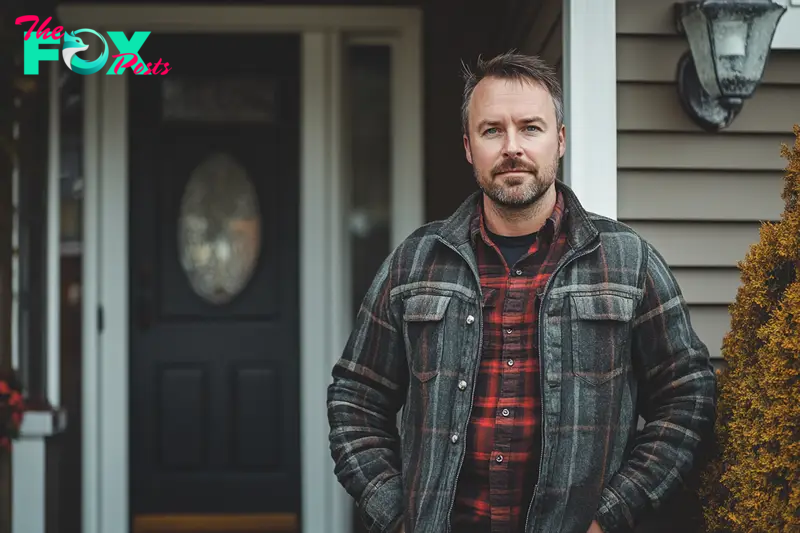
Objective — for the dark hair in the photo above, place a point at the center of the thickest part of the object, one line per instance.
(512, 66)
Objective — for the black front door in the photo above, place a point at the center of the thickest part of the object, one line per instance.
(214, 357)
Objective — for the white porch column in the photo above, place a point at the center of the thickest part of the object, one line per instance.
(590, 102)
(29, 454)
(28, 464)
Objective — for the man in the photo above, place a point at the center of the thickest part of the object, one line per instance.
(522, 337)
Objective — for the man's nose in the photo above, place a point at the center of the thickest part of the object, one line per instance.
(512, 147)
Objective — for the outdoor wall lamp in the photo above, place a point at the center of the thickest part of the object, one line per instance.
(729, 42)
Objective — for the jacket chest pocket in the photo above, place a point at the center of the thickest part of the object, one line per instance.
(424, 333)
(600, 326)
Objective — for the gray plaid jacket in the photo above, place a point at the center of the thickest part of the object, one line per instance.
(616, 342)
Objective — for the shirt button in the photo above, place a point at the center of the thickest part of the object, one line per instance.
(509, 330)
(454, 438)
(462, 385)
(499, 458)
(506, 412)
(510, 362)
(470, 319)
(519, 272)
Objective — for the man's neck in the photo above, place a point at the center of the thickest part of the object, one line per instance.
(512, 222)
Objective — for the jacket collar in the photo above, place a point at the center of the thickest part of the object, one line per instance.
(580, 229)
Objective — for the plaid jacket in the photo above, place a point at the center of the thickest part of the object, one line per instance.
(615, 341)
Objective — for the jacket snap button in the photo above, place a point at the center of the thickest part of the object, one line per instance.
(470, 319)
(462, 385)
(454, 438)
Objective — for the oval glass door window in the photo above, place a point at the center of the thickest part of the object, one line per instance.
(219, 229)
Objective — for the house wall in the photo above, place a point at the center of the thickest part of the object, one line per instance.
(697, 197)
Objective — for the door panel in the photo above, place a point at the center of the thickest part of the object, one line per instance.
(214, 359)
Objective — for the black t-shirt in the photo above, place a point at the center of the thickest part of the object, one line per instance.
(513, 248)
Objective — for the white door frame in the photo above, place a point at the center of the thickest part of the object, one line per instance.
(589, 59)
(325, 506)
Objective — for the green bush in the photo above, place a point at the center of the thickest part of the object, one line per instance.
(751, 482)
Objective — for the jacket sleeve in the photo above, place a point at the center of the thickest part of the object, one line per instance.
(677, 389)
(368, 389)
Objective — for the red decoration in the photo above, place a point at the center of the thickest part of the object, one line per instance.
(12, 408)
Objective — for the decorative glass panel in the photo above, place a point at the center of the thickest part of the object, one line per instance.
(219, 229)
(367, 91)
(219, 100)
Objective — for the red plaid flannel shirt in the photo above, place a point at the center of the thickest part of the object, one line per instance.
(503, 438)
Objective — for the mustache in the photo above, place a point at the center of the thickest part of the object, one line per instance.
(513, 165)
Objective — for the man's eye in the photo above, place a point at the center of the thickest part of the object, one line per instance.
(490, 131)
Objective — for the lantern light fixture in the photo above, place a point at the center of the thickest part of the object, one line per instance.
(729, 44)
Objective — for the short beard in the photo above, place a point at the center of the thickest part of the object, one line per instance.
(533, 191)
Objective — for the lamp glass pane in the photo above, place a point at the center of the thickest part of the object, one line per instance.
(762, 30)
(730, 38)
(696, 26)
(738, 74)
(730, 30)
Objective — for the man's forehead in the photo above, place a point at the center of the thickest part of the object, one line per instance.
(494, 95)
(492, 86)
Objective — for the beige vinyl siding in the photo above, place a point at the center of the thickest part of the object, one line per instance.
(698, 197)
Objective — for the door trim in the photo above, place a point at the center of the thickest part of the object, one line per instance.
(590, 102)
(325, 506)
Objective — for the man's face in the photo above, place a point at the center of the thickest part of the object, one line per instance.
(513, 141)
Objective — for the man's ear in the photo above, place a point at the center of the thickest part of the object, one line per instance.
(467, 150)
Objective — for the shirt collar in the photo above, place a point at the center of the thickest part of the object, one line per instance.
(548, 231)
